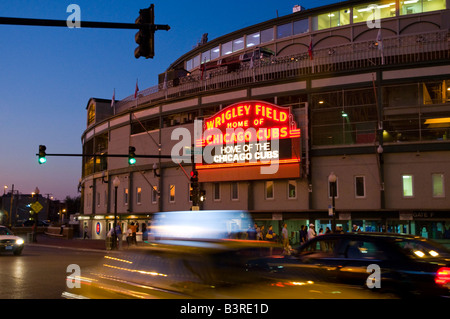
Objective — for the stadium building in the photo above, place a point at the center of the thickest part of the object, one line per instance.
(346, 103)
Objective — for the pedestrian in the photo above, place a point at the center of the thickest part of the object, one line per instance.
(303, 236)
(262, 233)
(270, 234)
(251, 232)
(133, 233)
(327, 230)
(129, 236)
(320, 232)
(144, 232)
(285, 238)
(311, 232)
(85, 235)
(118, 233)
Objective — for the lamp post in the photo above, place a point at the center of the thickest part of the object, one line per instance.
(332, 180)
(116, 183)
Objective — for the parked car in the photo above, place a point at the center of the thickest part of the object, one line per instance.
(410, 266)
(9, 242)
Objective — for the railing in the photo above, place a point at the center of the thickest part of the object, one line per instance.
(431, 46)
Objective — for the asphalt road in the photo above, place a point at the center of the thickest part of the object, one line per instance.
(40, 272)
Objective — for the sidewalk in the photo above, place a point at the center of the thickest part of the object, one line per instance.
(75, 243)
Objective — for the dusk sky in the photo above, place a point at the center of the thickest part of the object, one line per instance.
(48, 74)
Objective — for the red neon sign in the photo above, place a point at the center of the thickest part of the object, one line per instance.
(244, 133)
(257, 120)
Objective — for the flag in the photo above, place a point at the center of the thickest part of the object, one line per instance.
(165, 81)
(310, 50)
(380, 45)
(113, 100)
(136, 90)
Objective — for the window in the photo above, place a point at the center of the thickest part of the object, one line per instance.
(407, 181)
(125, 196)
(267, 35)
(154, 194)
(138, 195)
(91, 114)
(360, 186)
(171, 193)
(206, 57)
(363, 250)
(215, 53)
(419, 6)
(370, 12)
(234, 191)
(284, 30)
(438, 185)
(269, 190)
(292, 189)
(216, 190)
(301, 26)
(98, 199)
(253, 39)
(331, 19)
(238, 44)
(227, 48)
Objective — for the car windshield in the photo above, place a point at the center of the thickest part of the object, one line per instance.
(423, 249)
(5, 231)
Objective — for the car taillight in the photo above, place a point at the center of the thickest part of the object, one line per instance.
(443, 276)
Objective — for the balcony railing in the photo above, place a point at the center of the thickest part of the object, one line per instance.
(431, 46)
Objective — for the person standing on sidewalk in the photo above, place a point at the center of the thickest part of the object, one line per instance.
(118, 231)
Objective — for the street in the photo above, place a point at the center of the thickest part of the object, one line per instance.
(40, 272)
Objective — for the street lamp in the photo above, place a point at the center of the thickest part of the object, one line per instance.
(332, 180)
(116, 183)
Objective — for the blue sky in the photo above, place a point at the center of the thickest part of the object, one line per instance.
(48, 74)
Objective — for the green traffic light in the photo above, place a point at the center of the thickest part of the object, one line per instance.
(42, 154)
(131, 161)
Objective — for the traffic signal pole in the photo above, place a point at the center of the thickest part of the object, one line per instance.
(83, 24)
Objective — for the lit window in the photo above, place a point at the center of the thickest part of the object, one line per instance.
(292, 189)
(407, 181)
(206, 57)
(331, 19)
(154, 194)
(171, 193)
(138, 195)
(360, 187)
(419, 6)
(238, 44)
(215, 53)
(370, 12)
(269, 190)
(125, 196)
(253, 39)
(438, 185)
(91, 114)
(227, 48)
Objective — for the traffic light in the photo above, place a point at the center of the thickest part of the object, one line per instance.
(194, 176)
(131, 155)
(145, 37)
(42, 154)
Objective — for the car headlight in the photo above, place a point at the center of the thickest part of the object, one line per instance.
(19, 241)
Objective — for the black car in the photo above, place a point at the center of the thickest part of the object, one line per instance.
(408, 266)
